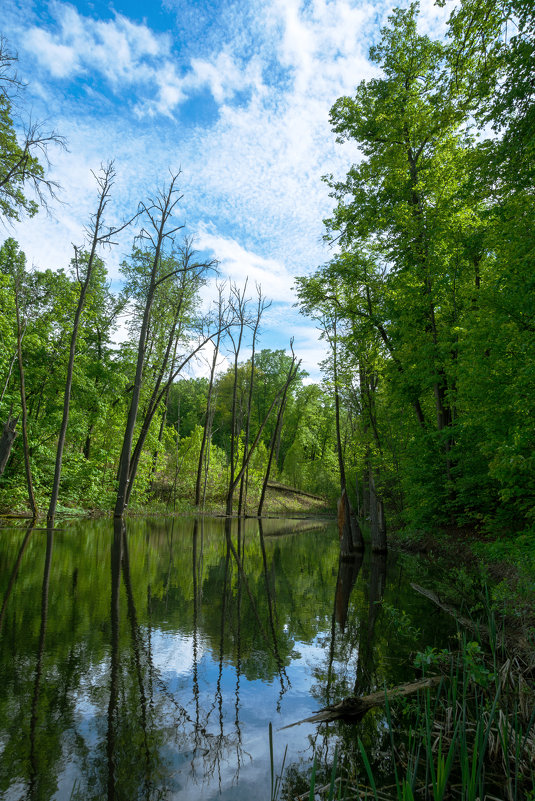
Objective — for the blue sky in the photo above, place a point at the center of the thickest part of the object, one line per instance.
(235, 94)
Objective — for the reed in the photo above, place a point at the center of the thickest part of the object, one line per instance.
(473, 737)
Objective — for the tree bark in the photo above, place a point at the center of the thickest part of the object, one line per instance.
(6, 441)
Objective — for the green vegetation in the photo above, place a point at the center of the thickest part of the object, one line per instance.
(428, 306)
(426, 413)
(471, 737)
(425, 422)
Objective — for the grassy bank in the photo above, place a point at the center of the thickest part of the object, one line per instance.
(280, 500)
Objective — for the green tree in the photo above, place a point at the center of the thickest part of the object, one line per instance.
(23, 151)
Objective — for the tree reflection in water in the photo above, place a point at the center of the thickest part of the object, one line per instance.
(148, 663)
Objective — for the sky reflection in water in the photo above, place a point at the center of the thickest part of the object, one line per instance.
(149, 663)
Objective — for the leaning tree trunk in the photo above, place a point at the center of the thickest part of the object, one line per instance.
(164, 208)
(242, 500)
(278, 425)
(240, 313)
(104, 183)
(207, 419)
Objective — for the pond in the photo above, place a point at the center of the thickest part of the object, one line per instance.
(149, 662)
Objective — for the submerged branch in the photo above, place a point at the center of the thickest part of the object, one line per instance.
(353, 709)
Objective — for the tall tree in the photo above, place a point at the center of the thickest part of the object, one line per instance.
(98, 234)
(159, 231)
(221, 322)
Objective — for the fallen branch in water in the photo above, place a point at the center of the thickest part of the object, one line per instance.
(352, 709)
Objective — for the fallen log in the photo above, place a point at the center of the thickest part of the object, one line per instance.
(274, 485)
(353, 709)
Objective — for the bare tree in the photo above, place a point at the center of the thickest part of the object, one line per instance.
(98, 234)
(221, 322)
(292, 374)
(191, 272)
(239, 305)
(24, 157)
(159, 214)
(252, 449)
(262, 305)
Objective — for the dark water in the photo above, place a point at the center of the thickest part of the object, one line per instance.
(149, 663)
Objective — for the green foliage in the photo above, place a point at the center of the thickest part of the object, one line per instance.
(432, 291)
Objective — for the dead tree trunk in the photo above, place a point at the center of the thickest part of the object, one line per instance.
(221, 312)
(159, 214)
(252, 449)
(292, 373)
(98, 236)
(262, 305)
(239, 307)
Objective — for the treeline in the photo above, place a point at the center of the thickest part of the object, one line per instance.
(88, 408)
(427, 413)
(429, 305)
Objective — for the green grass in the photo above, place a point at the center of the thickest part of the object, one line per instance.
(471, 738)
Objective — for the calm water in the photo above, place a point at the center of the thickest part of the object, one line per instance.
(148, 663)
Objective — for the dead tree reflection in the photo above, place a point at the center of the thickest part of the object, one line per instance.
(241, 551)
(33, 790)
(197, 579)
(116, 558)
(376, 588)
(145, 706)
(137, 648)
(283, 676)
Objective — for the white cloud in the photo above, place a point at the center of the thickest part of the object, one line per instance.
(116, 48)
(129, 54)
(60, 59)
(236, 264)
(252, 177)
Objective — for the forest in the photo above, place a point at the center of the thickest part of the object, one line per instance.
(425, 416)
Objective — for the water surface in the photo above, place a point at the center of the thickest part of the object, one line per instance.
(148, 662)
